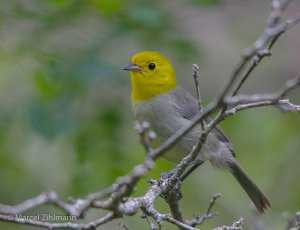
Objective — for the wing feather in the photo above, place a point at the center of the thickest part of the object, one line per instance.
(188, 107)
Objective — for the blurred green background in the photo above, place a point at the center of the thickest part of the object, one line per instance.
(65, 116)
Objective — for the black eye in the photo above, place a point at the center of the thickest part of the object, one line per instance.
(151, 66)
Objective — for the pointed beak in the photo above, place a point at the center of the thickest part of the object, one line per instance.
(133, 67)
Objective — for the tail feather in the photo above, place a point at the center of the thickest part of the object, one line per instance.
(259, 199)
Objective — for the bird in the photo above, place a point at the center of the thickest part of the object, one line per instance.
(157, 98)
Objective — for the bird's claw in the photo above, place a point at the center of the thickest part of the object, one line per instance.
(168, 174)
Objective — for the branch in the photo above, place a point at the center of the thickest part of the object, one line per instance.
(76, 209)
(237, 225)
(30, 220)
(273, 28)
(293, 221)
(262, 47)
(284, 105)
(287, 106)
(196, 78)
(145, 203)
(29, 204)
(198, 220)
(274, 97)
(172, 197)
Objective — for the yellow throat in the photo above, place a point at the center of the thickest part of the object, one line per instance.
(151, 75)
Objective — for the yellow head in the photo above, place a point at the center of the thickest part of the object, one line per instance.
(151, 74)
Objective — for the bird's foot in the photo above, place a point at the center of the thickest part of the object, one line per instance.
(174, 192)
(168, 174)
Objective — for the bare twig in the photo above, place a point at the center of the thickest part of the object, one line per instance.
(69, 225)
(297, 217)
(212, 202)
(146, 134)
(262, 47)
(284, 105)
(178, 223)
(29, 204)
(237, 225)
(293, 221)
(255, 61)
(273, 28)
(148, 218)
(76, 209)
(287, 106)
(122, 224)
(196, 78)
(198, 220)
(281, 93)
(176, 211)
(172, 197)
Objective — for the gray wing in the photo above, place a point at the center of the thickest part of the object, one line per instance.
(188, 104)
(189, 107)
